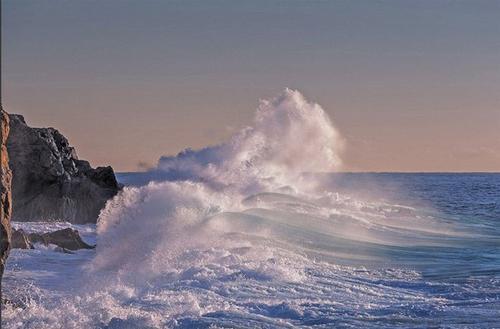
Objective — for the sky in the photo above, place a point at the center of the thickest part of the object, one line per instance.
(410, 85)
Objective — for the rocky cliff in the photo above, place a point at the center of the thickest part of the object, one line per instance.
(49, 181)
(5, 195)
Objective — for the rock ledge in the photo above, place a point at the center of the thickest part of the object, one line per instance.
(49, 182)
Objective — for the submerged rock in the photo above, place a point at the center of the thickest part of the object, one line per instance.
(20, 240)
(50, 182)
(66, 239)
(38, 238)
(63, 250)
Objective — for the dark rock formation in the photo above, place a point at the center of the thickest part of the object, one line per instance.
(66, 238)
(38, 238)
(20, 240)
(5, 192)
(50, 182)
(5, 197)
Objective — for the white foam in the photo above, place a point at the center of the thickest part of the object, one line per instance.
(231, 229)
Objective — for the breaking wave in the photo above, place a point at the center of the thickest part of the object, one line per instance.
(245, 234)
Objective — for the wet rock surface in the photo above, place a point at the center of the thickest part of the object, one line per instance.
(20, 240)
(66, 240)
(50, 182)
(5, 192)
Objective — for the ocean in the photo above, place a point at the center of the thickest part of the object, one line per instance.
(383, 251)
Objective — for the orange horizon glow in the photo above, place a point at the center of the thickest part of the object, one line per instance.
(412, 87)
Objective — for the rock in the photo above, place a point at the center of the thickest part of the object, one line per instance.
(18, 303)
(20, 240)
(50, 182)
(38, 238)
(67, 239)
(63, 250)
(5, 193)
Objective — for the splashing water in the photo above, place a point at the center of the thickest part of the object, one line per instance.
(239, 235)
(289, 136)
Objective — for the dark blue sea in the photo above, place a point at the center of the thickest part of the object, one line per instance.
(365, 250)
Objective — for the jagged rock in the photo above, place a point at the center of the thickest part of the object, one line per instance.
(20, 240)
(38, 238)
(50, 182)
(67, 239)
(5, 193)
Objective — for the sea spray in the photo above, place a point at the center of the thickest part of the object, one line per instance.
(250, 192)
(289, 136)
(242, 234)
(143, 226)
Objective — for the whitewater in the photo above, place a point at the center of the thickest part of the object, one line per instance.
(259, 232)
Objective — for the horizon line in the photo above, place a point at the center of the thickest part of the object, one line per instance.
(364, 172)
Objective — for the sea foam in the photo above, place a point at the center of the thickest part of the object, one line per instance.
(242, 234)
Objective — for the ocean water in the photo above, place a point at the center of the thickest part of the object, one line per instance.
(248, 234)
